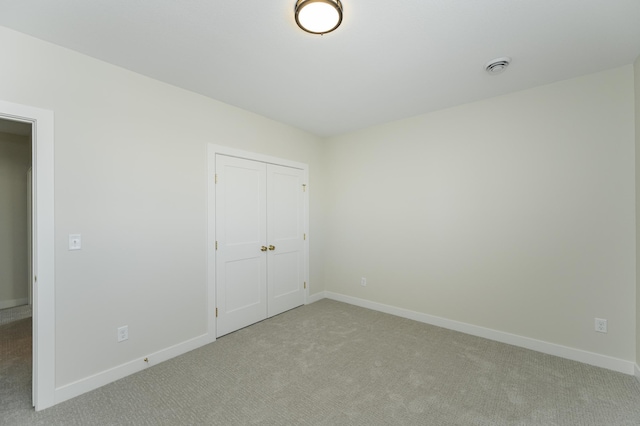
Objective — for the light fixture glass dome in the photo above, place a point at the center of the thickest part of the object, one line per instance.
(318, 16)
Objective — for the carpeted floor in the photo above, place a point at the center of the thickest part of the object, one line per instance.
(330, 363)
(14, 314)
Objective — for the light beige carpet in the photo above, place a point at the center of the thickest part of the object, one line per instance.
(14, 314)
(330, 363)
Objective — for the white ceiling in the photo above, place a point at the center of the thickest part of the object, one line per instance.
(388, 60)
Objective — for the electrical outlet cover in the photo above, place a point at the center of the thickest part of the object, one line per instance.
(123, 333)
(75, 242)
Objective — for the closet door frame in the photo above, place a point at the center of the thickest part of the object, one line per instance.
(212, 151)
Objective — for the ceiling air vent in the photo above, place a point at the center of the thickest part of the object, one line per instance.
(496, 66)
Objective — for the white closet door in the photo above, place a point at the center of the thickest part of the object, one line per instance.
(285, 226)
(241, 266)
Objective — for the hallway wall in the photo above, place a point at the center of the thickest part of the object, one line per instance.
(15, 160)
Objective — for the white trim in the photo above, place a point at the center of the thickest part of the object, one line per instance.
(315, 297)
(636, 371)
(211, 239)
(95, 381)
(12, 303)
(305, 227)
(43, 247)
(30, 234)
(212, 150)
(232, 152)
(579, 355)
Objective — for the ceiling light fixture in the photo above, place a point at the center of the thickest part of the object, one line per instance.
(318, 16)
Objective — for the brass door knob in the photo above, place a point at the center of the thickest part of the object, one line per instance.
(263, 248)
(272, 247)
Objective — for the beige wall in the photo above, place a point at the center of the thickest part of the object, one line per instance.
(130, 176)
(15, 160)
(515, 213)
(637, 111)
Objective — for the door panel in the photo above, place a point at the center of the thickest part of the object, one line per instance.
(285, 226)
(287, 274)
(241, 268)
(247, 280)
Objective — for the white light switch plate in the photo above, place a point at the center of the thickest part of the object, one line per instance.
(75, 241)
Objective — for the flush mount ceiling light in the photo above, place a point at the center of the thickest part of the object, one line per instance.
(318, 16)
(496, 66)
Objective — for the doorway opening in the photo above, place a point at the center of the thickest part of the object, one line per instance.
(36, 126)
(16, 220)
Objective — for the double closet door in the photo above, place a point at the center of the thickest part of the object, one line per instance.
(259, 241)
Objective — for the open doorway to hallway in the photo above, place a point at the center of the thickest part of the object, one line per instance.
(16, 225)
(43, 268)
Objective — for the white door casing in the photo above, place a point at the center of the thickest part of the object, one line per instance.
(43, 266)
(30, 235)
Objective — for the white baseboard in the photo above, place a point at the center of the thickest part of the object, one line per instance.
(90, 383)
(12, 303)
(315, 297)
(579, 355)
